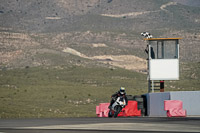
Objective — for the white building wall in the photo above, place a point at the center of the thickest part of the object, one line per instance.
(164, 69)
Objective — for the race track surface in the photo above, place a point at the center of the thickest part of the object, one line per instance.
(101, 125)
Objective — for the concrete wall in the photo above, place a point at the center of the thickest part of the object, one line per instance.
(190, 99)
(155, 103)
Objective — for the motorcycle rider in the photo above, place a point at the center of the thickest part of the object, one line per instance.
(121, 92)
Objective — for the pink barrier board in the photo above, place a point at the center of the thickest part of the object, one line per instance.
(174, 108)
(102, 110)
(176, 113)
(171, 104)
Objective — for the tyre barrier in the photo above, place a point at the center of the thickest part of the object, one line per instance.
(141, 103)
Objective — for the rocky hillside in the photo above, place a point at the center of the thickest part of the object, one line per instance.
(91, 32)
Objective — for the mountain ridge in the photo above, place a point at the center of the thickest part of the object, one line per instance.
(35, 33)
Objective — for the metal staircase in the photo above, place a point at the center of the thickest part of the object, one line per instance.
(155, 85)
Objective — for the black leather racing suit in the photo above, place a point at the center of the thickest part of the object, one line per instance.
(115, 96)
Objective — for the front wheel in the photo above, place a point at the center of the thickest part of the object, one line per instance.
(118, 109)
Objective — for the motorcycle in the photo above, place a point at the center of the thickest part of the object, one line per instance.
(117, 106)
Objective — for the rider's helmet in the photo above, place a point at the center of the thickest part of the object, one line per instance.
(122, 90)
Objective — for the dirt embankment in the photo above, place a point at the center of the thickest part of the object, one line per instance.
(129, 62)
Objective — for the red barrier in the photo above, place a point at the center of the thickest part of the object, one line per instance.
(130, 110)
(174, 108)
